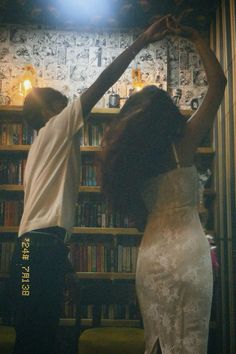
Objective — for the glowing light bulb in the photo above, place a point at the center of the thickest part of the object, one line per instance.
(23, 84)
(138, 88)
(27, 85)
(27, 80)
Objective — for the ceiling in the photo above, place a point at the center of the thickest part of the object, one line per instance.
(105, 13)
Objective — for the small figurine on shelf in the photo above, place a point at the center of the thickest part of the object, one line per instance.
(177, 96)
(114, 100)
(196, 101)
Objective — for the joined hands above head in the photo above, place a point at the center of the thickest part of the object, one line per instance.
(158, 30)
(169, 25)
(155, 32)
(174, 27)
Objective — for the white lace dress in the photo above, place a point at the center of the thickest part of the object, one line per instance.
(174, 271)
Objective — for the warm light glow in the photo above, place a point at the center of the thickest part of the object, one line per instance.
(27, 85)
(137, 78)
(28, 80)
(136, 74)
(138, 88)
(23, 84)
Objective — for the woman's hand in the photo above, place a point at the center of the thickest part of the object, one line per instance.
(157, 31)
(175, 28)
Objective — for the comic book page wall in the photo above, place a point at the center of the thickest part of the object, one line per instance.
(70, 61)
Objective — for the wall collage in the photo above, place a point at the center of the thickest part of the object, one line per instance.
(70, 61)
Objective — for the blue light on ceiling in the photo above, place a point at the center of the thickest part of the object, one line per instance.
(85, 10)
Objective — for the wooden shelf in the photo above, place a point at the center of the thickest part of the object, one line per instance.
(10, 108)
(105, 276)
(90, 148)
(205, 150)
(85, 230)
(70, 322)
(20, 188)
(105, 322)
(110, 322)
(26, 148)
(82, 189)
(14, 148)
(90, 189)
(94, 110)
(106, 231)
(12, 187)
(22, 148)
(105, 111)
(186, 112)
(9, 229)
(92, 230)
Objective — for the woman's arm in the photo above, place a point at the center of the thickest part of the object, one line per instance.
(111, 74)
(202, 120)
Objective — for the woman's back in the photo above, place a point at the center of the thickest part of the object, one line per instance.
(171, 190)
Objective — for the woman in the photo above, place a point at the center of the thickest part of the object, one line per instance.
(148, 169)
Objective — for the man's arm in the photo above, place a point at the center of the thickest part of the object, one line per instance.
(111, 74)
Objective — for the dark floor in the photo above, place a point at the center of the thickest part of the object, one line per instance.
(66, 341)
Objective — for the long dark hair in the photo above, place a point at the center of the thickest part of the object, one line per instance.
(134, 147)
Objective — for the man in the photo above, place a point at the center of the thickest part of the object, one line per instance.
(51, 184)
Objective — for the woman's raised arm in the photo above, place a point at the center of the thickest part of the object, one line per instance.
(202, 120)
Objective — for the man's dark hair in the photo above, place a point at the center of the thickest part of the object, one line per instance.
(39, 99)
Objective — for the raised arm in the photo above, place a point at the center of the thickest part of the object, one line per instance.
(111, 74)
(202, 120)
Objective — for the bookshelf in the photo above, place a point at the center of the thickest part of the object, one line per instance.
(120, 236)
(86, 230)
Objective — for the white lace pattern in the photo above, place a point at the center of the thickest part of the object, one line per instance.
(174, 271)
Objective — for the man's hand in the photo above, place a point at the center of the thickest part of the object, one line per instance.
(158, 30)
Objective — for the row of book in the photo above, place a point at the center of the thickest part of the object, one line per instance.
(16, 134)
(92, 213)
(6, 251)
(109, 312)
(89, 213)
(87, 257)
(92, 134)
(22, 134)
(90, 172)
(12, 171)
(10, 212)
(100, 257)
